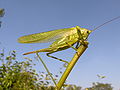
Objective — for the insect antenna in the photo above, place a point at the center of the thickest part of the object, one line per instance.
(106, 23)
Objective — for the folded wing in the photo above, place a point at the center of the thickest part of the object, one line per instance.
(46, 36)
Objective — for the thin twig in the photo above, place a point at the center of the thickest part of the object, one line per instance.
(46, 68)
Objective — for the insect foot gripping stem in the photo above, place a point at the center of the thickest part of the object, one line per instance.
(85, 43)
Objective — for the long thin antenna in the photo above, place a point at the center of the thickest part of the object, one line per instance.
(106, 23)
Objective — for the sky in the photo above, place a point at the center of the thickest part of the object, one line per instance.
(23, 17)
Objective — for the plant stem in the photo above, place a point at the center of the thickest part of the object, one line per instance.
(70, 66)
(46, 68)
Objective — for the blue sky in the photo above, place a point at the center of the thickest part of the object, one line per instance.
(23, 17)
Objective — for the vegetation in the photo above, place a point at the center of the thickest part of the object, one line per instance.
(16, 75)
(100, 86)
(2, 12)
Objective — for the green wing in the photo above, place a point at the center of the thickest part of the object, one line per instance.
(66, 41)
(47, 36)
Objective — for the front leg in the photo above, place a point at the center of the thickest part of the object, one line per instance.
(85, 43)
(71, 46)
(77, 45)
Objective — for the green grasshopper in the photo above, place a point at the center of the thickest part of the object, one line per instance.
(63, 39)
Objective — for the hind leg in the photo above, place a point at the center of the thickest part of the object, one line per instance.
(48, 54)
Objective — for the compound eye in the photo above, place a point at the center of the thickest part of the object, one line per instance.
(88, 32)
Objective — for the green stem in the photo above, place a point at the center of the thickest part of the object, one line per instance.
(46, 68)
(70, 66)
